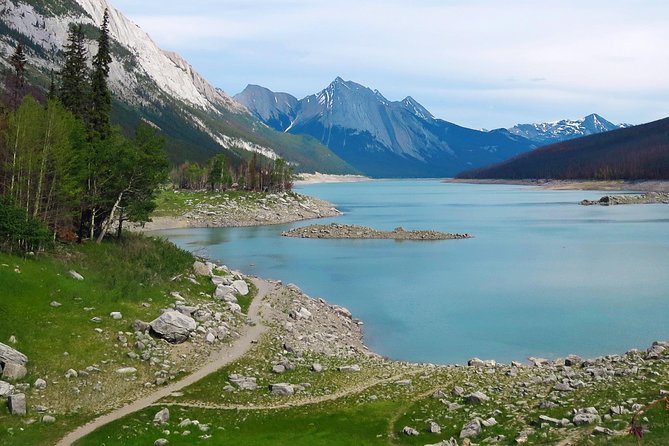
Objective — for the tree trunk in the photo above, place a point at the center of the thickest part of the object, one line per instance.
(108, 222)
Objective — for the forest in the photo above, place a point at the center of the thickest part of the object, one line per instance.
(67, 173)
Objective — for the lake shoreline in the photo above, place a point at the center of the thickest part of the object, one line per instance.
(630, 186)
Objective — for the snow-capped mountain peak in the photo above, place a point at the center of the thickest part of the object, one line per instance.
(552, 132)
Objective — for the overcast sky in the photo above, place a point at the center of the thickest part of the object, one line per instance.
(478, 63)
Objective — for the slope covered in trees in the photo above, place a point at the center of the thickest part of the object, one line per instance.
(640, 152)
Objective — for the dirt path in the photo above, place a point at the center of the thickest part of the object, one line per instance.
(305, 402)
(217, 360)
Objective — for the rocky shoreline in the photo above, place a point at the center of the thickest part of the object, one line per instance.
(613, 200)
(272, 209)
(613, 185)
(341, 231)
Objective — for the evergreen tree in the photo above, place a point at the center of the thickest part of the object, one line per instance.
(18, 62)
(101, 100)
(52, 87)
(74, 76)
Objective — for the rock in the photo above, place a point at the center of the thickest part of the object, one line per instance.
(71, 374)
(476, 362)
(451, 442)
(278, 369)
(116, 315)
(471, 429)
(235, 308)
(410, 431)
(539, 362)
(173, 326)
(75, 275)
(39, 384)
(585, 418)
(284, 389)
(316, 367)
(185, 423)
(126, 370)
(48, 419)
(13, 371)
(477, 398)
(210, 338)
(403, 382)
(202, 269)
(17, 404)
(349, 368)
(224, 290)
(599, 430)
(140, 326)
(55, 304)
(162, 417)
(563, 387)
(6, 389)
(243, 382)
(490, 422)
(573, 360)
(433, 428)
(550, 420)
(8, 354)
(160, 442)
(241, 287)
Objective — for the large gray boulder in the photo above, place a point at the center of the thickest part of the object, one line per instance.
(13, 371)
(241, 287)
(224, 290)
(8, 354)
(471, 429)
(284, 389)
(203, 269)
(477, 398)
(173, 326)
(17, 404)
(244, 382)
(162, 417)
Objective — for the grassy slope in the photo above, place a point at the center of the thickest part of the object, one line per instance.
(118, 277)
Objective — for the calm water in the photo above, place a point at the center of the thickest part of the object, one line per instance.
(543, 277)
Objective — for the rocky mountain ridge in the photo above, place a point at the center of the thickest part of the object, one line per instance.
(565, 129)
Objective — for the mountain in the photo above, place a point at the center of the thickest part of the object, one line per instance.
(552, 132)
(639, 152)
(379, 137)
(153, 85)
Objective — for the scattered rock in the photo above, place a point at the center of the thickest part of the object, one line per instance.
(202, 269)
(585, 418)
(6, 389)
(241, 287)
(116, 315)
(316, 367)
(48, 419)
(160, 442)
(162, 417)
(126, 370)
(433, 428)
(55, 304)
(17, 404)
(284, 389)
(71, 374)
(471, 429)
(410, 431)
(140, 326)
(75, 275)
(244, 382)
(477, 398)
(349, 368)
(278, 369)
(599, 430)
(173, 326)
(13, 371)
(8, 354)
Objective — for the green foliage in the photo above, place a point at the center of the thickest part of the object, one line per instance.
(18, 231)
(101, 101)
(74, 89)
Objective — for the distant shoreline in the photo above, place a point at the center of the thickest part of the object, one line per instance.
(315, 178)
(614, 185)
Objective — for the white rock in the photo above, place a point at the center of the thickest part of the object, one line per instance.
(75, 275)
(116, 315)
(6, 389)
(162, 417)
(126, 370)
(241, 287)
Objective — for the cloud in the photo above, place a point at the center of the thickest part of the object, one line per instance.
(584, 57)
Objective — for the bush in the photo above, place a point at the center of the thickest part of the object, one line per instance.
(18, 230)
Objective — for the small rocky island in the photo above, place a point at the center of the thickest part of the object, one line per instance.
(340, 231)
(612, 200)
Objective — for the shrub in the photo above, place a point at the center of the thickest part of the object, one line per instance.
(19, 231)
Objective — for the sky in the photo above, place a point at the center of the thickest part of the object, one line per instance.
(478, 63)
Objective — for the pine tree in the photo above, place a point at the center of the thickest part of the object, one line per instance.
(100, 115)
(74, 76)
(18, 62)
(52, 87)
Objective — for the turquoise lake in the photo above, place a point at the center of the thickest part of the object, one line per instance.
(543, 276)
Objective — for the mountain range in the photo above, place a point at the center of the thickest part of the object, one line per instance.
(566, 129)
(154, 86)
(633, 153)
(379, 137)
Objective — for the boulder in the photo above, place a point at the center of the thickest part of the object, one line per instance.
(585, 418)
(563, 387)
(8, 354)
(279, 369)
(116, 315)
(599, 430)
(241, 287)
(162, 417)
(17, 404)
(48, 419)
(235, 308)
(126, 370)
(477, 398)
(349, 368)
(476, 362)
(490, 422)
(433, 428)
(573, 360)
(6, 389)
(173, 326)
(13, 371)
(160, 442)
(471, 429)
(244, 382)
(39, 384)
(284, 389)
(451, 442)
(224, 290)
(71, 373)
(410, 431)
(316, 367)
(202, 269)
(140, 326)
(75, 275)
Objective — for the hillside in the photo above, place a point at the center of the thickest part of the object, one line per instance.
(379, 137)
(153, 85)
(640, 152)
